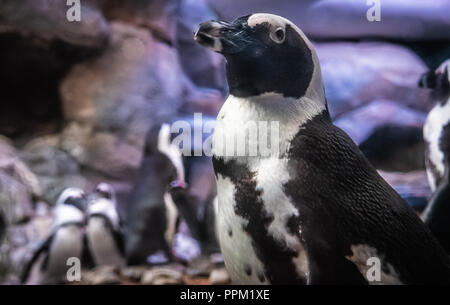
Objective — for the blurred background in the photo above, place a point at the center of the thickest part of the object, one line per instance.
(77, 98)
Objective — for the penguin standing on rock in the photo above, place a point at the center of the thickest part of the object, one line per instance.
(437, 137)
(66, 240)
(311, 209)
(104, 232)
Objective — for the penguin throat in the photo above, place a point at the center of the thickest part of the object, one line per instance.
(249, 121)
(276, 107)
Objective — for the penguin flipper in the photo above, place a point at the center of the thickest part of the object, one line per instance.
(43, 247)
(327, 267)
(119, 240)
(185, 204)
(86, 256)
(438, 211)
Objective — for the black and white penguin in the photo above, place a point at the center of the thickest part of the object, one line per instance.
(48, 264)
(104, 231)
(151, 212)
(437, 137)
(310, 210)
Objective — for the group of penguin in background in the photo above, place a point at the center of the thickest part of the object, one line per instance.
(313, 216)
(89, 227)
(80, 223)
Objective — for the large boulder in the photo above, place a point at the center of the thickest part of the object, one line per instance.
(389, 134)
(159, 16)
(55, 168)
(19, 189)
(48, 20)
(357, 73)
(361, 123)
(137, 80)
(400, 19)
(18, 185)
(103, 152)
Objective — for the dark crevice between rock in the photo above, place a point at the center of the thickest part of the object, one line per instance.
(30, 75)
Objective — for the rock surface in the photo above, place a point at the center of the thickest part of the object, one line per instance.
(18, 185)
(361, 123)
(357, 73)
(47, 19)
(159, 16)
(204, 67)
(219, 277)
(55, 168)
(400, 19)
(162, 276)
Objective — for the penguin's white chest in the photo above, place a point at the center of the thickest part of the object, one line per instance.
(67, 243)
(237, 245)
(437, 119)
(102, 244)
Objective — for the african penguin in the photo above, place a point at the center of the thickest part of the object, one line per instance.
(66, 240)
(104, 231)
(311, 209)
(151, 212)
(437, 137)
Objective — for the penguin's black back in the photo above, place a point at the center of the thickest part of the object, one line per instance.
(343, 202)
(146, 210)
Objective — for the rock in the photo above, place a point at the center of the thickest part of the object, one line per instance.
(145, 85)
(162, 276)
(412, 186)
(105, 275)
(103, 152)
(55, 168)
(47, 19)
(200, 266)
(389, 134)
(133, 273)
(204, 67)
(160, 16)
(110, 107)
(357, 73)
(361, 123)
(400, 19)
(18, 186)
(21, 241)
(219, 277)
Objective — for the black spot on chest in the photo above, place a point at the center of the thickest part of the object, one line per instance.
(275, 256)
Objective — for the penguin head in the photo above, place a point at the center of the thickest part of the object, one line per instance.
(73, 197)
(438, 81)
(103, 202)
(105, 190)
(265, 54)
(159, 142)
(70, 207)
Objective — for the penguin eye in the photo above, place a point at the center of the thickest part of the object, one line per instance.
(279, 35)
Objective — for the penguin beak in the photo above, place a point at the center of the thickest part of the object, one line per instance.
(219, 36)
